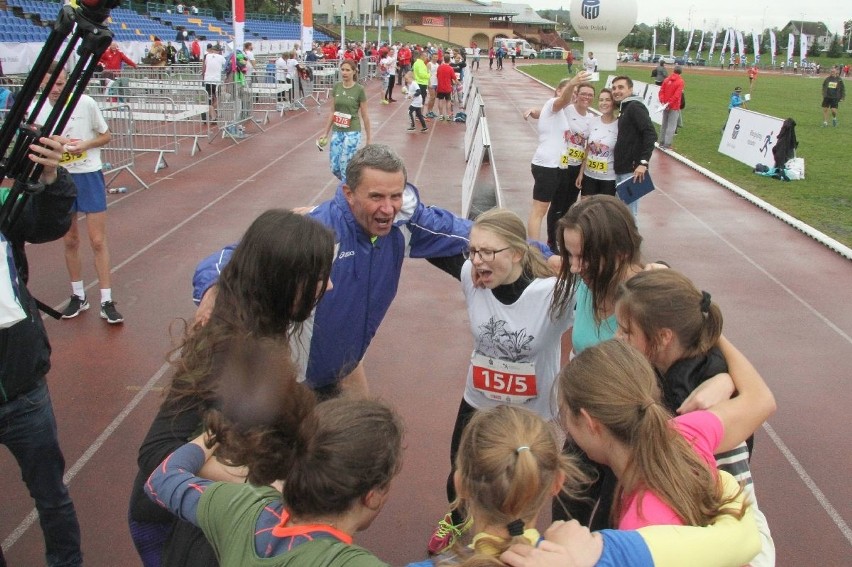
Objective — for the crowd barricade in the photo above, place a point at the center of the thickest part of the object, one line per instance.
(119, 154)
(154, 120)
(183, 104)
(325, 75)
(234, 110)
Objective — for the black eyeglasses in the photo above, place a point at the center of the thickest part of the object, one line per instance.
(484, 255)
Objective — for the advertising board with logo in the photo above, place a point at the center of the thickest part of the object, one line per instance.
(750, 136)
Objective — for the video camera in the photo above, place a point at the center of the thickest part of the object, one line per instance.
(85, 24)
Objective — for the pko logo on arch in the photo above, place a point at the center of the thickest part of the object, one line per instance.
(590, 9)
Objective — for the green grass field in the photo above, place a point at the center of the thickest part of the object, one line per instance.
(822, 200)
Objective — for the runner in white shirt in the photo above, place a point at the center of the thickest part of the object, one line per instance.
(212, 70)
(597, 176)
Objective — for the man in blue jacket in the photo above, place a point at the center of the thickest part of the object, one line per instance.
(378, 219)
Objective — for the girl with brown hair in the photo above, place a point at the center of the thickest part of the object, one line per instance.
(665, 469)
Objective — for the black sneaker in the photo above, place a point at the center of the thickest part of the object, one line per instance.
(110, 313)
(75, 307)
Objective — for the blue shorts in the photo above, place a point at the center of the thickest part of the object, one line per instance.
(91, 192)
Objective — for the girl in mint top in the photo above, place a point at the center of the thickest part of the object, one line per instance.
(600, 248)
(347, 115)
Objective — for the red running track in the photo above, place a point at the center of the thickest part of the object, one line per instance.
(785, 297)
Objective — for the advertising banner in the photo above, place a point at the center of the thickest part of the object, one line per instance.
(437, 21)
(750, 136)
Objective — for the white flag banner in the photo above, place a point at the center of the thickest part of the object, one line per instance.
(733, 43)
(712, 45)
(755, 40)
(689, 42)
(671, 43)
(772, 46)
(791, 42)
(741, 43)
(803, 47)
(700, 45)
(724, 46)
(654, 42)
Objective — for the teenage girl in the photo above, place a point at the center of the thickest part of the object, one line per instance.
(276, 276)
(352, 445)
(508, 287)
(665, 469)
(345, 119)
(509, 465)
(415, 108)
(597, 176)
(677, 327)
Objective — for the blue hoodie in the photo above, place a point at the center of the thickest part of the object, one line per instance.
(365, 275)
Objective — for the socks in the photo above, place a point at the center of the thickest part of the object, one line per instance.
(77, 289)
(106, 295)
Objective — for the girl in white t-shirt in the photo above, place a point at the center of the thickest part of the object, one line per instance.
(415, 107)
(508, 287)
(597, 176)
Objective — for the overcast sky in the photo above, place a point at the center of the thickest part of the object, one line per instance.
(742, 14)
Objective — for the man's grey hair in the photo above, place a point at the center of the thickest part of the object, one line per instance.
(373, 156)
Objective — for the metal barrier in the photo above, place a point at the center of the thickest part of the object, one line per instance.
(234, 110)
(183, 104)
(324, 75)
(118, 155)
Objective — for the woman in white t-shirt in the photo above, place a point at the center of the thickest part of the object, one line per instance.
(597, 176)
(562, 131)
(432, 65)
(508, 287)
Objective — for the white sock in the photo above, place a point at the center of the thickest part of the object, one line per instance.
(77, 289)
(106, 295)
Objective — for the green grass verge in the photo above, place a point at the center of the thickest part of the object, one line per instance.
(822, 200)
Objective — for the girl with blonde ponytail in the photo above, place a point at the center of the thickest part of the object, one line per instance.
(665, 467)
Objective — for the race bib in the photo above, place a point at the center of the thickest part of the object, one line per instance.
(503, 381)
(342, 120)
(563, 160)
(576, 155)
(68, 157)
(599, 165)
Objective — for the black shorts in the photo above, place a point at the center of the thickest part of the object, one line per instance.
(592, 186)
(546, 182)
(829, 102)
(212, 91)
(444, 96)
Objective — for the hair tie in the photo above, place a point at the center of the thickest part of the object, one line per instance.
(705, 302)
(521, 448)
(516, 528)
(644, 407)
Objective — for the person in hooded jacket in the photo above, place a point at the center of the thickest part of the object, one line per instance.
(671, 94)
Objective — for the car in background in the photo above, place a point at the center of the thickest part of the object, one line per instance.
(645, 58)
(680, 61)
(668, 59)
(552, 53)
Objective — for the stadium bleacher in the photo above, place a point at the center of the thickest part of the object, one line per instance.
(28, 20)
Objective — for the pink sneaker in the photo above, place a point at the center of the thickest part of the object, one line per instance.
(446, 534)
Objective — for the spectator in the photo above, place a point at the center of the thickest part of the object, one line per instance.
(737, 99)
(590, 63)
(671, 94)
(88, 132)
(659, 73)
(212, 70)
(113, 57)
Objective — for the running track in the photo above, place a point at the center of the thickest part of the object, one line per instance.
(783, 295)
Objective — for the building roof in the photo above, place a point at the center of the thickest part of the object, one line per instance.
(808, 28)
(520, 13)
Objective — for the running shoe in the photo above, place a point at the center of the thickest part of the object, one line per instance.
(110, 313)
(424, 129)
(385, 101)
(447, 533)
(411, 128)
(75, 307)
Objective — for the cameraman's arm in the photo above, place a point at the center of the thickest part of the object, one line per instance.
(47, 215)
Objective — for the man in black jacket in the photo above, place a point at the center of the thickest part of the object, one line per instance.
(636, 135)
(27, 423)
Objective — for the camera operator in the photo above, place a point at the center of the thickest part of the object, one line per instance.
(27, 423)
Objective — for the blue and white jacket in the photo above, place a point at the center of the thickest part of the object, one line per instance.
(365, 276)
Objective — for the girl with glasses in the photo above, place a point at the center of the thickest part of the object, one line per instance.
(508, 287)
